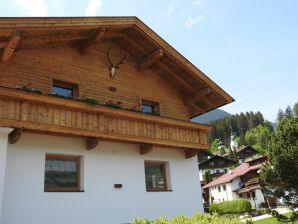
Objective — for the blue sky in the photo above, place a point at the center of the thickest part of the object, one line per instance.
(248, 47)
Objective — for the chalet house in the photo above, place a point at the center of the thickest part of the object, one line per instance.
(241, 182)
(95, 122)
(211, 168)
(215, 166)
(243, 153)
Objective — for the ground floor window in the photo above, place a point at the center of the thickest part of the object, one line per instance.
(62, 173)
(155, 175)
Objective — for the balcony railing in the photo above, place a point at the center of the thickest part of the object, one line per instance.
(41, 113)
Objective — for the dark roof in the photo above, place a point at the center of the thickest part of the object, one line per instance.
(219, 157)
(241, 149)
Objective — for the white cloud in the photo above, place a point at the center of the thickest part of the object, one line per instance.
(171, 7)
(192, 21)
(93, 7)
(33, 7)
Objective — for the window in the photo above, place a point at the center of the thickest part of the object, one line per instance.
(150, 107)
(62, 173)
(219, 189)
(155, 174)
(211, 163)
(217, 171)
(65, 89)
(224, 188)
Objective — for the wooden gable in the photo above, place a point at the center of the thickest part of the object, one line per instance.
(76, 44)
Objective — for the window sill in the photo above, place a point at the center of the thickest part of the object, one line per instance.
(159, 190)
(57, 191)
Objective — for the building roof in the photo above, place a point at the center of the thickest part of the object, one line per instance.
(147, 48)
(216, 157)
(233, 174)
(241, 149)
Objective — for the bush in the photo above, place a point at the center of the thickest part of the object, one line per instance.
(195, 219)
(231, 207)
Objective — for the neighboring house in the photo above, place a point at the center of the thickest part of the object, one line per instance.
(241, 182)
(243, 153)
(94, 122)
(215, 166)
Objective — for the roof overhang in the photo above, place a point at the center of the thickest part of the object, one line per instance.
(200, 93)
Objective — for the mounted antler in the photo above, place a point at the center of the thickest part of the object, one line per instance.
(116, 66)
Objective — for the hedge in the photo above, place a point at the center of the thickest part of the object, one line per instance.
(231, 207)
(195, 219)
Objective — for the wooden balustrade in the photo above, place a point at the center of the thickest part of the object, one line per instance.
(32, 112)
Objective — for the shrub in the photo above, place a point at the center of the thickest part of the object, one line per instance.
(231, 207)
(195, 219)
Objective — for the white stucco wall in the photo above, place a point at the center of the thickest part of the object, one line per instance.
(3, 155)
(110, 163)
(227, 195)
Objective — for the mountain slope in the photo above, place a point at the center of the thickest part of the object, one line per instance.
(211, 116)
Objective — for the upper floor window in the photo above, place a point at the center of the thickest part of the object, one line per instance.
(211, 163)
(219, 189)
(62, 173)
(224, 187)
(155, 175)
(150, 107)
(65, 89)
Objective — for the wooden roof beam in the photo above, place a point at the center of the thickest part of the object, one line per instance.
(94, 38)
(150, 59)
(145, 148)
(175, 76)
(11, 46)
(199, 94)
(15, 136)
(91, 143)
(189, 153)
(3, 44)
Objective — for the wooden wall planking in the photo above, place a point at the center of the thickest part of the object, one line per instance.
(40, 66)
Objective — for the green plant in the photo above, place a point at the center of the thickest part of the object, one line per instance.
(89, 101)
(231, 207)
(29, 90)
(195, 219)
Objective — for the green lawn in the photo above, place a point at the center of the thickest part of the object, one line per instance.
(269, 221)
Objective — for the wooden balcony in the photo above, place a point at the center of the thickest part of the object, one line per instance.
(46, 114)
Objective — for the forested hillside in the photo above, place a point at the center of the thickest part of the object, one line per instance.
(250, 129)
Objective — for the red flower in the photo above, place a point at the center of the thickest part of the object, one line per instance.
(29, 84)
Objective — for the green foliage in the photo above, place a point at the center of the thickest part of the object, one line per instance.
(281, 171)
(213, 145)
(231, 207)
(90, 101)
(259, 137)
(195, 219)
(30, 90)
(207, 177)
(295, 109)
(239, 123)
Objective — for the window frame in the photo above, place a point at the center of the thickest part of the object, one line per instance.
(164, 172)
(154, 104)
(78, 176)
(66, 85)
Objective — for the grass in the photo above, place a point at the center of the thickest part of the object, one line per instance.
(270, 221)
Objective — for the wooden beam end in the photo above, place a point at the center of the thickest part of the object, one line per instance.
(91, 143)
(145, 148)
(189, 153)
(15, 136)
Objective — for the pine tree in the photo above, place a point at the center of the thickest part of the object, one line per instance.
(295, 109)
(289, 112)
(280, 115)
